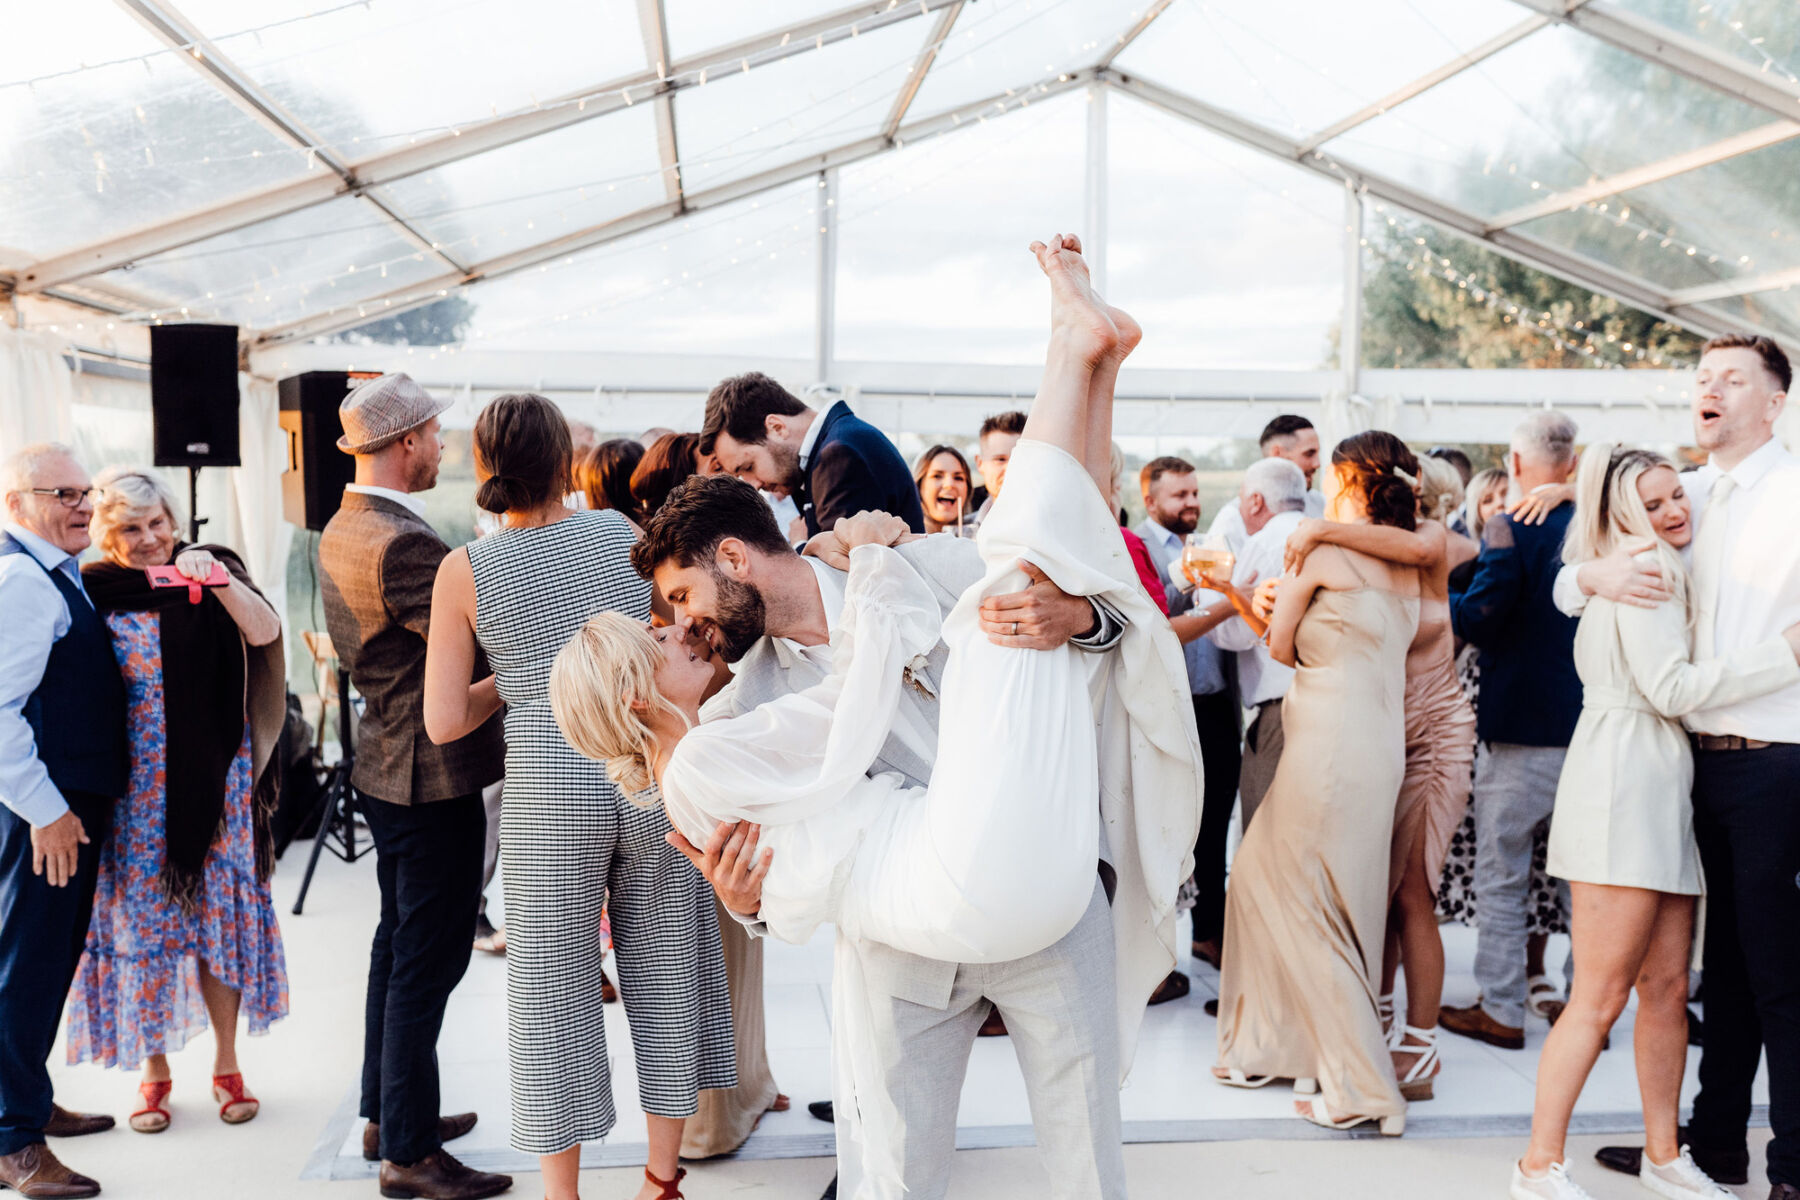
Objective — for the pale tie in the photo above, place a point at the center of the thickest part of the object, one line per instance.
(1709, 563)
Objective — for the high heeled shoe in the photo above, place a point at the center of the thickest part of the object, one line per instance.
(1416, 1081)
(1384, 1008)
(1319, 1113)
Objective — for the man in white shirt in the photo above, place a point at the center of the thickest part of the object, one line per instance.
(1286, 437)
(1273, 502)
(1745, 561)
(993, 450)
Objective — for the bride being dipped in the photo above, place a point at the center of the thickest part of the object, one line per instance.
(994, 861)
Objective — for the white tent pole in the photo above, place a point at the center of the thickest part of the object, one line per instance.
(1093, 230)
(825, 328)
(1350, 335)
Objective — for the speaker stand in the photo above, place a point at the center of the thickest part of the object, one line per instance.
(337, 805)
(195, 520)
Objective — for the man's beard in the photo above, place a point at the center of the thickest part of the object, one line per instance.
(422, 477)
(786, 460)
(742, 616)
(1182, 521)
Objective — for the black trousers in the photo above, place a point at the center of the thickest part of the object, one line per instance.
(428, 863)
(42, 932)
(1221, 752)
(1747, 820)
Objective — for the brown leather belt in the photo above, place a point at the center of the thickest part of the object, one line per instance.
(1728, 741)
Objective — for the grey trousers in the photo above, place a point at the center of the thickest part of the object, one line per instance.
(1263, 743)
(1062, 1015)
(1515, 791)
(490, 856)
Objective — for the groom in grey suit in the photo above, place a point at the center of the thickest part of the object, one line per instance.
(717, 555)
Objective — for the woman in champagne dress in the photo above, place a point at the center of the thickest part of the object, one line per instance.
(1306, 913)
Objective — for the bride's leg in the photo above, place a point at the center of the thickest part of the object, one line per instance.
(1100, 396)
(1082, 339)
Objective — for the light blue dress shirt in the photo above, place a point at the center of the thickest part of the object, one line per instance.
(35, 616)
(1205, 661)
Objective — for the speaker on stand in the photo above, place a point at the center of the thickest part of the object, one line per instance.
(194, 403)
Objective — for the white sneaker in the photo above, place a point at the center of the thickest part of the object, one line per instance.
(1680, 1180)
(1554, 1184)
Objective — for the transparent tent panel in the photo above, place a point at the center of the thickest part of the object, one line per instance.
(95, 152)
(1777, 310)
(932, 259)
(537, 190)
(696, 26)
(1226, 257)
(370, 77)
(1552, 112)
(1297, 66)
(1001, 44)
(738, 279)
(1762, 33)
(743, 123)
(1721, 222)
(310, 261)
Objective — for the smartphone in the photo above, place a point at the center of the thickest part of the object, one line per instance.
(169, 577)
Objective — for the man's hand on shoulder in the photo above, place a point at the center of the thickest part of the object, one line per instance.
(1042, 617)
(1625, 579)
(729, 862)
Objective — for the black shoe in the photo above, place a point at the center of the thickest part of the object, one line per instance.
(830, 1192)
(822, 1110)
(1781, 1191)
(1724, 1166)
(1695, 1028)
(1211, 1007)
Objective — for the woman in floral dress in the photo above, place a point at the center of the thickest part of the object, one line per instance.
(183, 933)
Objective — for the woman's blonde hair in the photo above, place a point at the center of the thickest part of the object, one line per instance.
(1480, 485)
(606, 667)
(1440, 489)
(1610, 510)
(127, 492)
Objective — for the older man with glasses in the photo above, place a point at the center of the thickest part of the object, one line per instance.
(63, 763)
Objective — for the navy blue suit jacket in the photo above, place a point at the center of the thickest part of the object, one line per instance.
(855, 468)
(1530, 693)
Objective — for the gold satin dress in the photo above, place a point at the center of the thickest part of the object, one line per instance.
(1306, 910)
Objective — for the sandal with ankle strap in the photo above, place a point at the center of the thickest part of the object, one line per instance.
(671, 1188)
(152, 1117)
(1319, 1113)
(235, 1104)
(1416, 1081)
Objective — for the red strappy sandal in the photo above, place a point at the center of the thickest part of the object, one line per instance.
(153, 1117)
(235, 1104)
(671, 1188)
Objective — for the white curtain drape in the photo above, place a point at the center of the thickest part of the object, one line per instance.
(36, 390)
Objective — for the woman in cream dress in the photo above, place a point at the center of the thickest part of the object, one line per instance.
(1623, 829)
(1306, 911)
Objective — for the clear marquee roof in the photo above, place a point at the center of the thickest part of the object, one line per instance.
(657, 175)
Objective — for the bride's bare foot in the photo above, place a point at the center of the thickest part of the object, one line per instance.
(1077, 315)
(1130, 333)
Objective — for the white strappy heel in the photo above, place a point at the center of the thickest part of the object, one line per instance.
(1384, 1008)
(1416, 1082)
(1318, 1113)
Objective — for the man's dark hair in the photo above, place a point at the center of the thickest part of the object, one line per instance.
(1006, 422)
(699, 515)
(1156, 468)
(1766, 349)
(1455, 458)
(739, 405)
(1286, 425)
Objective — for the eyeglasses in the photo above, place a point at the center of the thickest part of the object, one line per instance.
(68, 497)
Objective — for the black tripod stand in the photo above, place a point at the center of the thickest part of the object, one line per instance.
(336, 814)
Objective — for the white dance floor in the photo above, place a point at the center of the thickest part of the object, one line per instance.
(1171, 1096)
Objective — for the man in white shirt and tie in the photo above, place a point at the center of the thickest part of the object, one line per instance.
(1286, 437)
(1746, 579)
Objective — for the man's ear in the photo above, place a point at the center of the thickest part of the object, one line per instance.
(775, 428)
(732, 557)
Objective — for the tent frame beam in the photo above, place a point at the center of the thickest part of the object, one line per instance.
(461, 143)
(653, 21)
(909, 91)
(1728, 288)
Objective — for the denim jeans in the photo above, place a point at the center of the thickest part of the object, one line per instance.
(1515, 790)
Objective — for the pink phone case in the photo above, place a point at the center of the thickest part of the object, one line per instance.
(169, 577)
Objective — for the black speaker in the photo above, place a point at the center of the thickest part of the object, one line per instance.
(313, 485)
(194, 395)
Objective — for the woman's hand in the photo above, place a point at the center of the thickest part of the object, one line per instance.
(1533, 507)
(1263, 603)
(197, 565)
(1303, 541)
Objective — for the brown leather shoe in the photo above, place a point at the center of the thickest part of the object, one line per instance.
(994, 1026)
(438, 1176)
(63, 1123)
(35, 1172)
(449, 1129)
(1474, 1022)
(1784, 1191)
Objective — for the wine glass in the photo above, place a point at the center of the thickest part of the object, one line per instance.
(1207, 560)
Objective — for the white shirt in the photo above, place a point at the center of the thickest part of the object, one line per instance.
(1229, 524)
(35, 617)
(1759, 591)
(1260, 678)
(405, 499)
(811, 438)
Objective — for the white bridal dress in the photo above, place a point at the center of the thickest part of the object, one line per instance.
(996, 859)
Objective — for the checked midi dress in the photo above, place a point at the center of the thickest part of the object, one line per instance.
(568, 838)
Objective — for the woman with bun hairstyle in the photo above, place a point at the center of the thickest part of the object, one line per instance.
(569, 838)
(1306, 910)
(1622, 832)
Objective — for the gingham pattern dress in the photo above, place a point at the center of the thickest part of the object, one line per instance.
(567, 838)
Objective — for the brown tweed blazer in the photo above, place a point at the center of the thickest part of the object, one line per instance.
(378, 562)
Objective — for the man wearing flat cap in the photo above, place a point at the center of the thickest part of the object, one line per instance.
(379, 558)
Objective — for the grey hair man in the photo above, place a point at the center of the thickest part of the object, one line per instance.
(63, 764)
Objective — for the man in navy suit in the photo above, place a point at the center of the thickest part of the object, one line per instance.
(834, 464)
